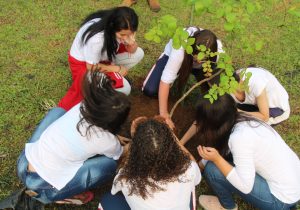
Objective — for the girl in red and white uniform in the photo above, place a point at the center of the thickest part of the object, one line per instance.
(105, 42)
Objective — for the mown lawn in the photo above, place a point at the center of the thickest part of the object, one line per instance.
(36, 36)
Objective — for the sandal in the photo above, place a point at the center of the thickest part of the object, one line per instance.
(79, 199)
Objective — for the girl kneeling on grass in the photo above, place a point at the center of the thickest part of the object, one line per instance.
(265, 171)
(158, 173)
(266, 99)
(72, 152)
(177, 64)
(105, 42)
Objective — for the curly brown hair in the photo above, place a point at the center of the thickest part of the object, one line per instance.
(154, 158)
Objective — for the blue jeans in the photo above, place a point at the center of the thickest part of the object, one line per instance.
(93, 172)
(260, 196)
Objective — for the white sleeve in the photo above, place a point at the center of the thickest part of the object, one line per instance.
(243, 174)
(116, 186)
(92, 49)
(173, 65)
(197, 173)
(257, 84)
(110, 145)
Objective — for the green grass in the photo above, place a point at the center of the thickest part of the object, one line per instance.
(36, 36)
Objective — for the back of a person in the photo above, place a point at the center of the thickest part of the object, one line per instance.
(277, 95)
(176, 196)
(273, 160)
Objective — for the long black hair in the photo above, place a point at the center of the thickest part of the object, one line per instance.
(112, 21)
(202, 37)
(215, 122)
(102, 105)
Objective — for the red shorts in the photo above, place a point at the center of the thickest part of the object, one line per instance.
(78, 69)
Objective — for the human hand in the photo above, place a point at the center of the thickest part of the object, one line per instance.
(168, 120)
(123, 140)
(123, 71)
(208, 153)
(131, 48)
(135, 123)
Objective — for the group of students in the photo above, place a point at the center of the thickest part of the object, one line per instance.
(76, 146)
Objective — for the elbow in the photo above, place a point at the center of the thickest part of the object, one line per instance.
(265, 118)
(246, 189)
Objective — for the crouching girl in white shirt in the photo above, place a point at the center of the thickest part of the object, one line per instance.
(266, 98)
(158, 172)
(177, 64)
(265, 171)
(73, 152)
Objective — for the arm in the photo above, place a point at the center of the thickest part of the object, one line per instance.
(209, 153)
(107, 68)
(189, 134)
(263, 107)
(163, 96)
(185, 149)
(242, 175)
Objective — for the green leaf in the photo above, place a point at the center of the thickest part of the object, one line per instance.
(159, 32)
(200, 56)
(156, 39)
(148, 36)
(221, 65)
(228, 26)
(215, 96)
(221, 92)
(191, 41)
(184, 34)
(211, 100)
(202, 48)
(189, 50)
(207, 96)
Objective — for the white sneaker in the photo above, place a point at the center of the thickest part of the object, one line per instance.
(209, 202)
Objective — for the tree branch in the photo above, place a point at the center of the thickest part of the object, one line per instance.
(191, 89)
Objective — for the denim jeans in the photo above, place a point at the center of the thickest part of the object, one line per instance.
(260, 196)
(92, 173)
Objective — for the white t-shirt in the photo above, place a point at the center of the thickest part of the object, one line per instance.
(260, 149)
(176, 57)
(177, 195)
(91, 51)
(61, 150)
(262, 79)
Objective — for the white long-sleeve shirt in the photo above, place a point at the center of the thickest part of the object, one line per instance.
(176, 57)
(258, 148)
(175, 196)
(62, 150)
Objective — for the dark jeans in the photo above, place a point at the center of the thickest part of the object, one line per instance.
(260, 196)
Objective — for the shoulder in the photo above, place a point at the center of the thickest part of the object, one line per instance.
(242, 132)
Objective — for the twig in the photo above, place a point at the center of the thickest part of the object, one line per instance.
(191, 89)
